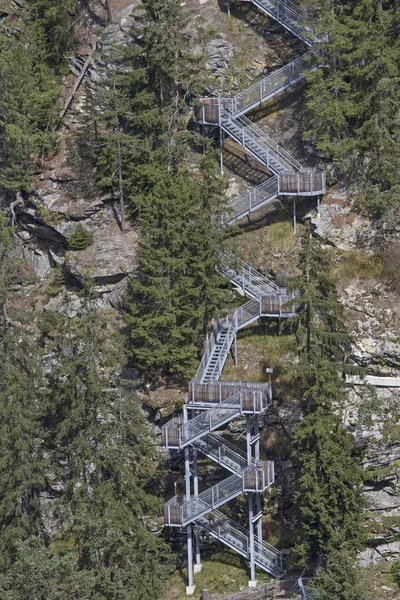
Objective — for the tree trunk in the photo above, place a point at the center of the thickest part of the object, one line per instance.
(120, 182)
(109, 11)
(121, 190)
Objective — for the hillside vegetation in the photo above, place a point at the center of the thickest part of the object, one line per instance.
(82, 483)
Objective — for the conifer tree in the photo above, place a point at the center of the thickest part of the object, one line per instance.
(21, 476)
(327, 470)
(101, 451)
(28, 110)
(353, 98)
(323, 341)
(177, 287)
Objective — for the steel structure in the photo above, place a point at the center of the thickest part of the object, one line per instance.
(212, 404)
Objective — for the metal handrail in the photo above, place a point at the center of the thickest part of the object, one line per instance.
(290, 16)
(248, 272)
(211, 419)
(271, 84)
(251, 200)
(268, 142)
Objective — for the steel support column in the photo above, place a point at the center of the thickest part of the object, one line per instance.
(294, 215)
(259, 522)
(257, 457)
(253, 581)
(221, 148)
(235, 359)
(197, 566)
(190, 587)
(256, 433)
(248, 438)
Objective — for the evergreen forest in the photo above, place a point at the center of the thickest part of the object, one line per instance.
(114, 272)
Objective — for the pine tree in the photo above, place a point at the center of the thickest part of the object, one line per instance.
(28, 113)
(177, 288)
(327, 470)
(328, 477)
(21, 477)
(102, 452)
(323, 340)
(353, 98)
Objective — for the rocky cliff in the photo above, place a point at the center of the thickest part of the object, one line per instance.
(232, 53)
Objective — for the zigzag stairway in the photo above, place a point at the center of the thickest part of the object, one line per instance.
(212, 404)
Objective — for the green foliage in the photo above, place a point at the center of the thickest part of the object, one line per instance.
(395, 569)
(327, 471)
(20, 419)
(340, 579)
(28, 113)
(29, 61)
(40, 573)
(100, 448)
(80, 238)
(78, 436)
(353, 99)
(390, 257)
(143, 111)
(176, 290)
(328, 479)
(50, 21)
(323, 341)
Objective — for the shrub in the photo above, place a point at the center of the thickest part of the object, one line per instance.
(80, 238)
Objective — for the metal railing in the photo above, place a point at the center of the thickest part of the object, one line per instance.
(310, 182)
(259, 476)
(217, 391)
(290, 16)
(257, 141)
(250, 201)
(257, 93)
(180, 512)
(282, 305)
(177, 434)
(208, 351)
(223, 401)
(226, 455)
(249, 278)
(267, 143)
(272, 84)
(235, 536)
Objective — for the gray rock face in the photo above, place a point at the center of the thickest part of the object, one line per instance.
(219, 52)
(108, 260)
(384, 552)
(338, 224)
(377, 334)
(38, 261)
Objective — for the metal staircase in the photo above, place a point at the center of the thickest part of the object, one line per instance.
(290, 16)
(290, 177)
(212, 404)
